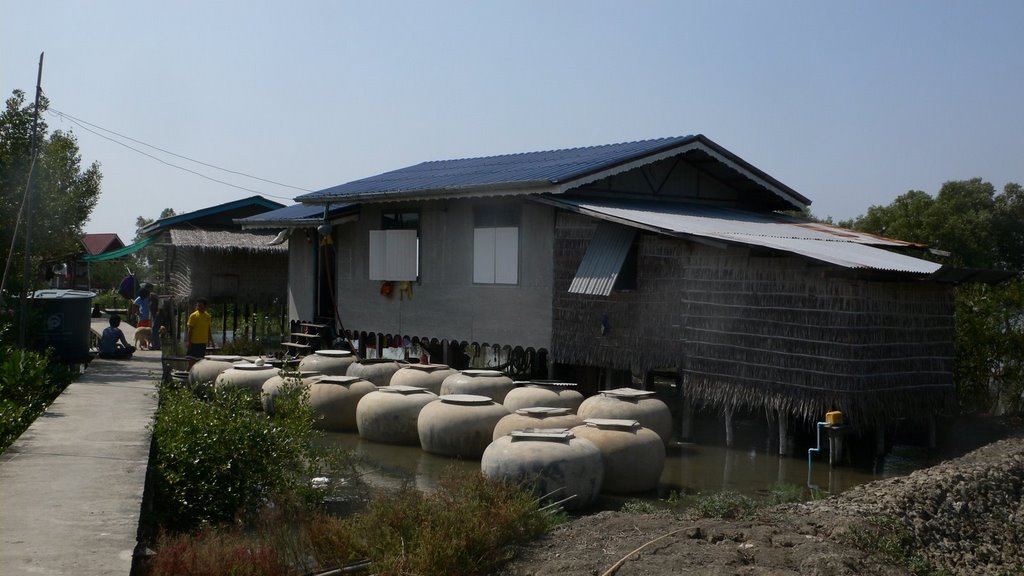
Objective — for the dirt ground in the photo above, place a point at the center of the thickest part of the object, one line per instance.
(594, 545)
(965, 516)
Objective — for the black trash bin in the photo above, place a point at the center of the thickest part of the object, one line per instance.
(65, 320)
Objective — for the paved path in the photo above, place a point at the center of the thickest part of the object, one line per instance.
(71, 486)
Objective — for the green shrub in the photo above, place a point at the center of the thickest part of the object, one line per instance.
(110, 299)
(29, 382)
(218, 459)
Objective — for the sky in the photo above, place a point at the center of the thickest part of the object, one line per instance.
(849, 103)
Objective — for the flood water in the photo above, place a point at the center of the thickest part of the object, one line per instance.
(705, 465)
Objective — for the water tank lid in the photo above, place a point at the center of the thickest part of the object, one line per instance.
(542, 411)
(297, 373)
(466, 399)
(341, 380)
(482, 373)
(54, 294)
(371, 361)
(428, 367)
(403, 389)
(548, 434)
(246, 366)
(222, 358)
(628, 393)
(545, 383)
(620, 423)
(334, 353)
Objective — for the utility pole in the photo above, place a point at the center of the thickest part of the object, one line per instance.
(28, 208)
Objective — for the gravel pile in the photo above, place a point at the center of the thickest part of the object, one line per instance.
(966, 514)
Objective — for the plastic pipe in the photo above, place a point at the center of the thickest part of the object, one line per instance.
(811, 452)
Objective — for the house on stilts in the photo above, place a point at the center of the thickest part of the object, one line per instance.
(602, 264)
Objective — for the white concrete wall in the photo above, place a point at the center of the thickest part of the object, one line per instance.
(445, 302)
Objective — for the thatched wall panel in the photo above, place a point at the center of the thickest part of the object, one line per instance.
(766, 330)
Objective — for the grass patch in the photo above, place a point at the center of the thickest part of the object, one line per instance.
(467, 526)
(731, 505)
(887, 538)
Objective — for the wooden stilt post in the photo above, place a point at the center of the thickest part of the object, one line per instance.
(728, 427)
(783, 433)
(880, 440)
(686, 414)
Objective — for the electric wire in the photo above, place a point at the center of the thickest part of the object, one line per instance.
(85, 126)
(70, 117)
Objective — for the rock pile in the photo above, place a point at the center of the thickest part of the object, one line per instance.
(966, 514)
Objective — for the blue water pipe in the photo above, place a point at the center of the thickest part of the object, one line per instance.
(811, 452)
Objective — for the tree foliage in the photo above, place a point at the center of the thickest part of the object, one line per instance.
(64, 193)
(980, 229)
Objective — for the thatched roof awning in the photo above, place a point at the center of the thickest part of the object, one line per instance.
(226, 240)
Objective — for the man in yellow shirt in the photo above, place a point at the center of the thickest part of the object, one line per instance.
(199, 333)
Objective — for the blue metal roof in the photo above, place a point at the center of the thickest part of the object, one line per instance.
(531, 172)
(215, 213)
(293, 215)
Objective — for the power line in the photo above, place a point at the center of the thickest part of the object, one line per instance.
(85, 125)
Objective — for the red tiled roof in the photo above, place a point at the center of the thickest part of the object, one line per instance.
(100, 243)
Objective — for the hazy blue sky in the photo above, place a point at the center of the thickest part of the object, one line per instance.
(849, 103)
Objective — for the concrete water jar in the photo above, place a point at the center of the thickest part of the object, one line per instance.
(551, 393)
(491, 383)
(376, 370)
(459, 424)
(328, 362)
(429, 376)
(206, 370)
(390, 413)
(272, 388)
(630, 404)
(634, 456)
(333, 400)
(535, 417)
(560, 465)
(244, 376)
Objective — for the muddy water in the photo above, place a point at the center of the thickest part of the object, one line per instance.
(751, 467)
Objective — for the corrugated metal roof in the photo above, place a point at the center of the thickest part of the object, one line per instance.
(603, 260)
(244, 205)
(832, 244)
(294, 216)
(547, 171)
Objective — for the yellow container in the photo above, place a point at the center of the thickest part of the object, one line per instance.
(834, 418)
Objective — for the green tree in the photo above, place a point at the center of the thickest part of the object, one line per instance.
(146, 260)
(64, 194)
(979, 229)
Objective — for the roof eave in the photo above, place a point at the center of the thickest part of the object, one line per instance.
(502, 189)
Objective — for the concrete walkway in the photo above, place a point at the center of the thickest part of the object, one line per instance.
(71, 486)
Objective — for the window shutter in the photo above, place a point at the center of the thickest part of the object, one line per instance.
(506, 255)
(378, 255)
(483, 255)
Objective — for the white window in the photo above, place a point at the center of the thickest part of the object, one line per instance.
(394, 250)
(394, 255)
(496, 245)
